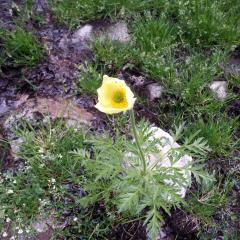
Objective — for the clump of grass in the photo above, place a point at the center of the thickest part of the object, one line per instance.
(187, 95)
(207, 23)
(22, 47)
(89, 79)
(195, 76)
(49, 165)
(110, 56)
(74, 12)
(153, 41)
(209, 198)
(218, 131)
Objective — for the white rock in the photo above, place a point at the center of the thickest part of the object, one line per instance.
(154, 91)
(168, 143)
(161, 159)
(83, 34)
(15, 146)
(40, 226)
(219, 88)
(118, 32)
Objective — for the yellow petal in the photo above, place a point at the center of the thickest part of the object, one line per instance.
(114, 96)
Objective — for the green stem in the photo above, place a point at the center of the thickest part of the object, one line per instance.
(141, 154)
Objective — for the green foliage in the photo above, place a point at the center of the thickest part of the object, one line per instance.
(206, 23)
(48, 166)
(110, 56)
(22, 47)
(74, 12)
(209, 198)
(89, 79)
(153, 41)
(153, 34)
(218, 131)
(192, 87)
(115, 176)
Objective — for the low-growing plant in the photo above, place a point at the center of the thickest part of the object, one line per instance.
(153, 40)
(208, 199)
(124, 175)
(40, 186)
(72, 13)
(22, 47)
(110, 56)
(89, 79)
(207, 23)
(218, 131)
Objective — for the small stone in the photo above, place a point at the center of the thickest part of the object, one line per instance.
(232, 67)
(118, 32)
(15, 146)
(161, 235)
(137, 81)
(154, 91)
(219, 88)
(83, 34)
(166, 143)
(10, 191)
(40, 226)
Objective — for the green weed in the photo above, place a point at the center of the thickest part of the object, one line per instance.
(109, 56)
(153, 41)
(218, 131)
(89, 79)
(48, 167)
(206, 23)
(117, 180)
(209, 199)
(72, 13)
(22, 47)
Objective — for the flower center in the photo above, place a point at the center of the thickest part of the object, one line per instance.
(118, 97)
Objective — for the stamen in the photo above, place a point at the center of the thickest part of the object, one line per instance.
(118, 97)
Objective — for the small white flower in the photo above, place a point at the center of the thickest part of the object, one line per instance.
(75, 219)
(20, 231)
(41, 165)
(41, 150)
(8, 220)
(10, 191)
(53, 180)
(4, 234)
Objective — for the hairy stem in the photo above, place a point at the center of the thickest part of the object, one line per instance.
(141, 154)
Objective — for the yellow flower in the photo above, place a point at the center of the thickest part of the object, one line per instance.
(114, 96)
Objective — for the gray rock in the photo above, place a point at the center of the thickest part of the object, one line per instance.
(137, 81)
(40, 226)
(232, 67)
(115, 32)
(154, 91)
(219, 88)
(84, 33)
(15, 146)
(162, 158)
(118, 32)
